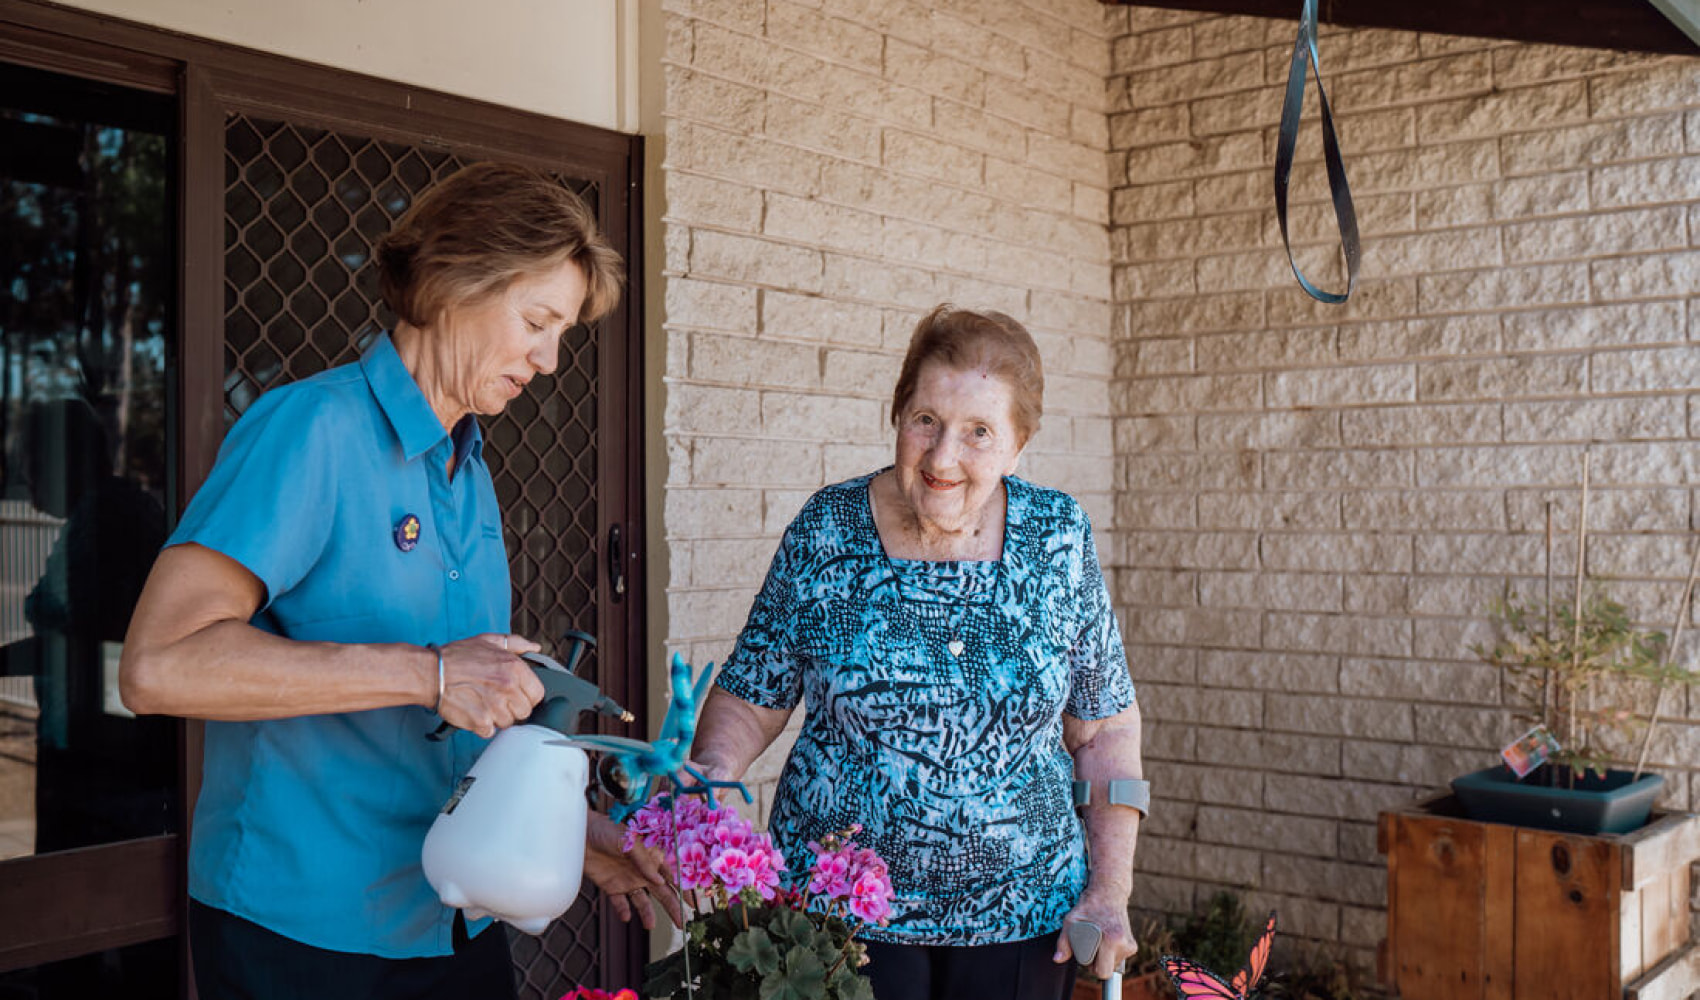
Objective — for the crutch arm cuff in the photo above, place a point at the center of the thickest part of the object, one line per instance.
(1134, 793)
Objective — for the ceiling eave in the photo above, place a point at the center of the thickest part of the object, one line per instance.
(1669, 26)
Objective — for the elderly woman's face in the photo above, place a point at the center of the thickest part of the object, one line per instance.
(499, 342)
(955, 443)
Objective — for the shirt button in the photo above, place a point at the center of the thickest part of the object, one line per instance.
(454, 574)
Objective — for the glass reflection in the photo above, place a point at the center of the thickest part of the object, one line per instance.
(86, 292)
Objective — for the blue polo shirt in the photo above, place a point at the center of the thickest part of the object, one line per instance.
(312, 826)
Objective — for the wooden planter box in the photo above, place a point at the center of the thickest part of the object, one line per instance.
(1481, 911)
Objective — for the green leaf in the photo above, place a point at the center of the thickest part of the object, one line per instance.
(664, 977)
(856, 987)
(789, 925)
(754, 950)
(801, 978)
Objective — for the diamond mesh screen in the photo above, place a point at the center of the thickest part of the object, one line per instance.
(303, 208)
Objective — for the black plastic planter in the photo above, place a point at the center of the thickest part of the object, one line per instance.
(1613, 804)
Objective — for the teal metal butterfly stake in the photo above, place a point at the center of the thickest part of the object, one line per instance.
(630, 768)
(1345, 215)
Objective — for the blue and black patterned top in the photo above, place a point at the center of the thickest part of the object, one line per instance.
(953, 764)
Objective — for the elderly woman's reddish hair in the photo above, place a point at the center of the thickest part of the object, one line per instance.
(969, 340)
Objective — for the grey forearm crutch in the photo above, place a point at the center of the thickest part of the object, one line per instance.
(1084, 936)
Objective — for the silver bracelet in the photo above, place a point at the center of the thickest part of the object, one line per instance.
(437, 709)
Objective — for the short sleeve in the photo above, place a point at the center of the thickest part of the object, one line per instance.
(1099, 685)
(764, 668)
(268, 502)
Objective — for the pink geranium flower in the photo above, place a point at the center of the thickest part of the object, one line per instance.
(831, 872)
(855, 876)
(732, 867)
(870, 897)
(693, 866)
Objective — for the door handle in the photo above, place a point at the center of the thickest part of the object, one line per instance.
(616, 563)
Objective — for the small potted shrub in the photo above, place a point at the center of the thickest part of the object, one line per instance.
(1580, 664)
(1313, 974)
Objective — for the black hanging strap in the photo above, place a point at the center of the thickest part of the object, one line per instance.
(1347, 217)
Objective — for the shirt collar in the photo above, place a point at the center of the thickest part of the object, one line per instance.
(409, 414)
(469, 440)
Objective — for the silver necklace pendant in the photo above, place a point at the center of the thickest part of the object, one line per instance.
(956, 646)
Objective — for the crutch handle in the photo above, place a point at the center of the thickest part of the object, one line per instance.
(1084, 937)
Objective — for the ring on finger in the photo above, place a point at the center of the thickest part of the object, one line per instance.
(504, 642)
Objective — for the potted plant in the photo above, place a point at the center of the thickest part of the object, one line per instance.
(1313, 974)
(754, 933)
(1579, 663)
(1222, 937)
(1488, 894)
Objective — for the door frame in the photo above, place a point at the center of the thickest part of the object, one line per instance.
(46, 916)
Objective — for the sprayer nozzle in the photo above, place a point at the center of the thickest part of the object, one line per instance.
(609, 707)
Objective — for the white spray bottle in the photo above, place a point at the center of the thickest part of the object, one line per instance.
(509, 842)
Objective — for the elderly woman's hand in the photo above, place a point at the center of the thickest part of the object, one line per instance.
(630, 880)
(1108, 910)
(486, 686)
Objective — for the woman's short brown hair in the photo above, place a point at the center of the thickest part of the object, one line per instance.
(484, 226)
(965, 340)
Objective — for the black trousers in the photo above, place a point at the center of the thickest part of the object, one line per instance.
(236, 959)
(1018, 970)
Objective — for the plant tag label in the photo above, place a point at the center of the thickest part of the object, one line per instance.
(1529, 751)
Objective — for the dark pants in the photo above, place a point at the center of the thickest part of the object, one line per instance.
(1019, 970)
(236, 959)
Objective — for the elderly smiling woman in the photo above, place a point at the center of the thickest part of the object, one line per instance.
(948, 629)
(339, 584)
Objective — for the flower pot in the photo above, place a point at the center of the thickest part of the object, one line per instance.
(1617, 803)
(1150, 986)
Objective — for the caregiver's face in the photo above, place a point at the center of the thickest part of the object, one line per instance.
(956, 441)
(500, 341)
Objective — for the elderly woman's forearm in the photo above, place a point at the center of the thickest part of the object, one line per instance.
(1112, 835)
(732, 733)
(1106, 751)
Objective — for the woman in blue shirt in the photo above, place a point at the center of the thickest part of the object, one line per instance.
(339, 584)
(947, 628)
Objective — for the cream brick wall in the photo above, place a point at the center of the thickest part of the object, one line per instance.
(1314, 504)
(832, 171)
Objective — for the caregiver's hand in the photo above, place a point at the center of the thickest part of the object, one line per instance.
(629, 880)
(1108, 910)
(486, 686)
